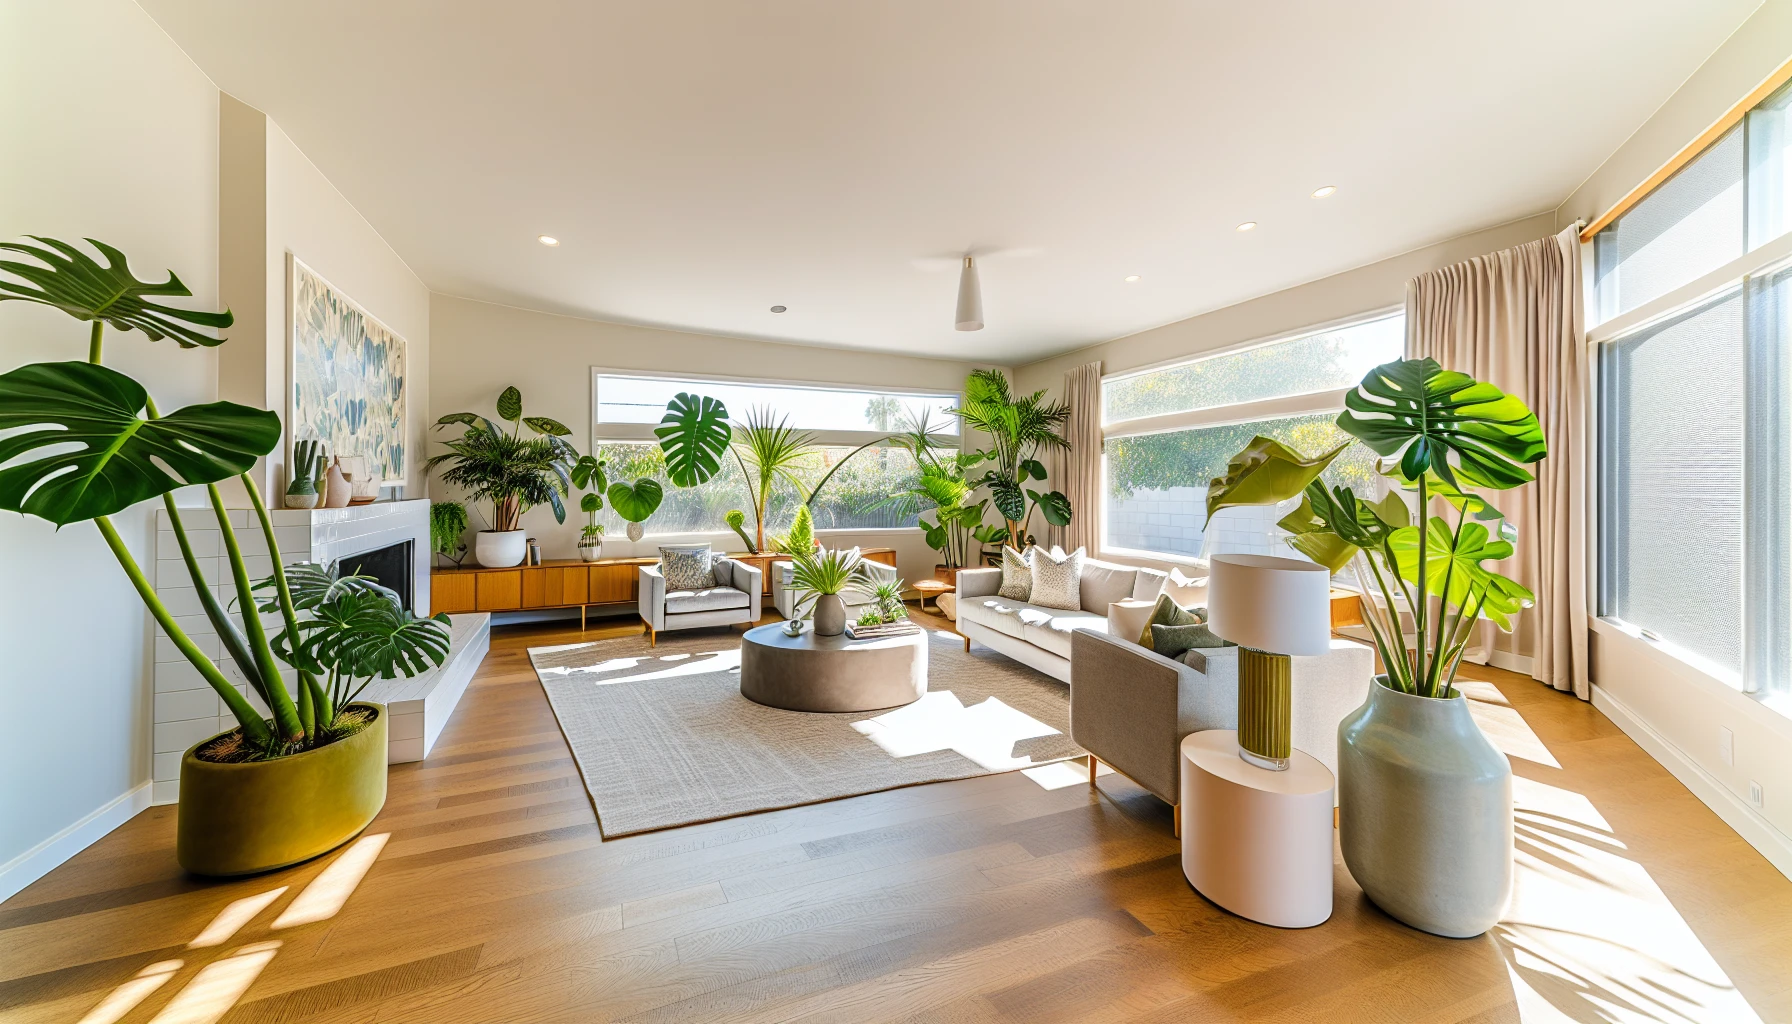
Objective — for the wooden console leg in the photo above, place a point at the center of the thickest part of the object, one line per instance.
(581, 618)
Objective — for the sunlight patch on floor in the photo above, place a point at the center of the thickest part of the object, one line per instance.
(124, 998)
(985, 733)
(1064, 774)
(326, 894)
(217, 986)
(1590, 936)
(231, 919)
(1504, 725)
(671, 666)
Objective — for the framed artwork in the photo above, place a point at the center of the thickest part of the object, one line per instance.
(346, 376)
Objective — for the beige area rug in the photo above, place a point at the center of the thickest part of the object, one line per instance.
(663, 737)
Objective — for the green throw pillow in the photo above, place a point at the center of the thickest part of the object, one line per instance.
(1171, 641)
(1169, 613)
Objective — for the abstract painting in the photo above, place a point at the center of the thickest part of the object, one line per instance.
(347, 374)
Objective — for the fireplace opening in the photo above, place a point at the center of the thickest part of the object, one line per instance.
(389, 566)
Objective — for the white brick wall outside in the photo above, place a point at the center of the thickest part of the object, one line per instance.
(1170, 520)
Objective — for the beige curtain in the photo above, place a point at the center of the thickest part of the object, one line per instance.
(1513, 318)
(1077, 472)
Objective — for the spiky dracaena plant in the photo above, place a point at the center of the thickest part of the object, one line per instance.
(81, 442)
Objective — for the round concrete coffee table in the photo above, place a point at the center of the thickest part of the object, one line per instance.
(831, 673)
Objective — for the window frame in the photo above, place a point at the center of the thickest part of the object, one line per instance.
(639, 433)
(1307, 403)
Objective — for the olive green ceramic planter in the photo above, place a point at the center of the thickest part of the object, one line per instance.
(240, 819)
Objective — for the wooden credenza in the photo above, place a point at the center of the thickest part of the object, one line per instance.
(566, 583)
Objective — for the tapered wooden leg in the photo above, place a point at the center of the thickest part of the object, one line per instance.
(1176, 819)
(653, 639)
(581, 618)
(1093, 764)
(967, 645)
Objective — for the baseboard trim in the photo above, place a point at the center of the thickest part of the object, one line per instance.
(43, 858)
(1755, 829)
(1518, 663)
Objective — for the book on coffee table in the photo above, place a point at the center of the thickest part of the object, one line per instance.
(902, 627)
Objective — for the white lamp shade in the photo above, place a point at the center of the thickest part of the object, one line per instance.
(970, 298)
(1278, 605)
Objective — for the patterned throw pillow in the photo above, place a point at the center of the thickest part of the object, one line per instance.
(1057, 579)
(687, 567)
(1017, 574)
(1169, 613)
(1172, 641)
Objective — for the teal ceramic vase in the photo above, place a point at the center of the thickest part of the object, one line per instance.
(1425, 812)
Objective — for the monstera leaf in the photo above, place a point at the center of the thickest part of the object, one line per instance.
(588, 472)
(88, 451)
(312, 584)
(635, 502)
(1460, 561)
(1053, 505)
(1032, 468)
(694, 434)
(72, 281)
(1444, 421)
(1267, 471)
(364, 633)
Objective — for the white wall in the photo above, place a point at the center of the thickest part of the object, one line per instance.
(1673, 710)
(74, 162)
(479, 347)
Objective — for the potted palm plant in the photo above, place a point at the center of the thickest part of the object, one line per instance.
(1021, 428)
(824, 576)
(512, 472)
(81, 442)
(1425, 801)
(941, 487)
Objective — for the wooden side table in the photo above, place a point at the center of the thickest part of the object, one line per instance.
(933, 589)
(1254, 841)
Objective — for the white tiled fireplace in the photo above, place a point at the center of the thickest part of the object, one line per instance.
(186, 708)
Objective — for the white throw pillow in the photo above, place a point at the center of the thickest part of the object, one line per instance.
(1017, 574)
(1057, 579)
(1186, 591)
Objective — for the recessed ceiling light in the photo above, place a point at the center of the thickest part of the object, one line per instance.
(547, 239)
(1131, 278)
(779, 309)
(1324, 190)
(1249, 225)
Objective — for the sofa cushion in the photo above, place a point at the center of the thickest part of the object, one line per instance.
(1169, 613)
(1053, 633)
(1104, 583)
(998, 613)
(1057, 579)
(709, 599)
(1186, 591)
(1172, 641)
(1017, 574)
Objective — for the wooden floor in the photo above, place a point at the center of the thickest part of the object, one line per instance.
(491, 897)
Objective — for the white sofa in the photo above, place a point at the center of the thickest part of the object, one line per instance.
(1037, 636)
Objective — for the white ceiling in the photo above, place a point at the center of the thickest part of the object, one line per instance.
(704, 160)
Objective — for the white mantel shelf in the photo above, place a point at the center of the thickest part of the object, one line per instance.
(187, 710)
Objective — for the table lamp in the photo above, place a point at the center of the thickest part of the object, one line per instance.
(1271, 608)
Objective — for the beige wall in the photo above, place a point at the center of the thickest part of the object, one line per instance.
(74, 639)
(275, 202)
(479, 348)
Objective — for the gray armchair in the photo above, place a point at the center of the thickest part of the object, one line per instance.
(787, 598)
(734, 598)
(1131, 707)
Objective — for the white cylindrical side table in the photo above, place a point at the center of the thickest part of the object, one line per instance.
(1257, 842)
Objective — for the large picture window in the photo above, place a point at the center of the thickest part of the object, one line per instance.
(1169, 431)
(1694, 345)
(841, 419)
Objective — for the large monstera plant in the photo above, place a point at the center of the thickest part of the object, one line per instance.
(82, 442)
(1022, 428)
(1440, 435)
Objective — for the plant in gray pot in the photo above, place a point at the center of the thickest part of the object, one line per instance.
(825, 575)
(1424, 800)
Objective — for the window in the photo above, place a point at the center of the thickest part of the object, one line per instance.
(1169, 431)
(841, 420)
(1694, 405)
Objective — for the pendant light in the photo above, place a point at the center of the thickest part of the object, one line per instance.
(970, 298)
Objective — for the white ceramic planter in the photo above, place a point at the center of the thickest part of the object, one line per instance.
(592, 551)
(1425, 812)
(500, 549)
(830, 615)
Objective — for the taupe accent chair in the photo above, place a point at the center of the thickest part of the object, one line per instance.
(1131, 707)
(735, 598)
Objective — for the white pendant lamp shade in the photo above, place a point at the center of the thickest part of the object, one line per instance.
(1279, 605)
(970, 298)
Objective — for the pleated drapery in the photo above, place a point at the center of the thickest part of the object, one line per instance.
(1078, 471)
(1514, 319)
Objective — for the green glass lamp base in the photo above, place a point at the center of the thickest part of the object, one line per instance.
(1265, 711)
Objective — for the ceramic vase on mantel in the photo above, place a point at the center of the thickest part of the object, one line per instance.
(1425, 812)
(830, 615)
(337, 488)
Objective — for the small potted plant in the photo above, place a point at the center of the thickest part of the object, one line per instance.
(825, 575)
(301, 492)
(512, 472)
(447, 523)
(588, 472)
